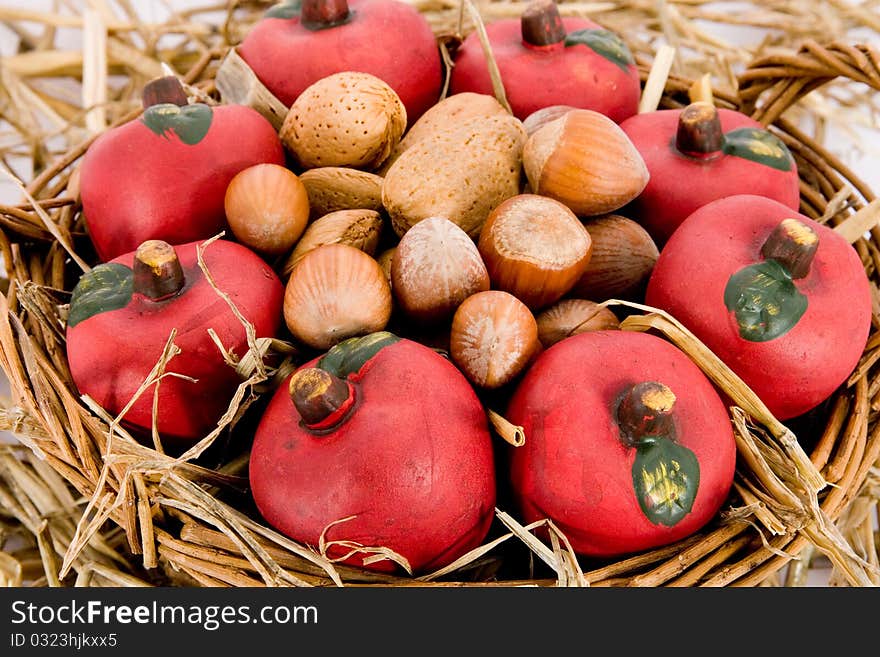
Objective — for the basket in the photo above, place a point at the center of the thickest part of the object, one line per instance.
(92, 506)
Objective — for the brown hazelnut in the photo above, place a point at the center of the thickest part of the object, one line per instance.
(535, 248)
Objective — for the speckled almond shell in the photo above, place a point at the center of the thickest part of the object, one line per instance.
(446, 115)
(471, 170)
(358, 228)
(341, 188)
(347, 119)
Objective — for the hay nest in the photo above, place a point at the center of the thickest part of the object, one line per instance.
(82, 502)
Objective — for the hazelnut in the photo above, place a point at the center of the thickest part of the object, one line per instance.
(267, 208)
(622, 260)
(336, 292)
(494, 336)
(586, 161)
(569, 317)
(535, 248)
(436, 266)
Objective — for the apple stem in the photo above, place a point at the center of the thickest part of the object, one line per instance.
(322, 399)
(541, 24)
(792, 244)
(167, 89)
(321, 14)
(645, 411)
(157, 271)
(699, 130)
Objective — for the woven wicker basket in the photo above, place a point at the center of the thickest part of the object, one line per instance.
(96, 509)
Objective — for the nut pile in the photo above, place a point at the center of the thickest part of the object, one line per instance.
(463, 201)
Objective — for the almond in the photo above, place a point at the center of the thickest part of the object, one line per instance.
(347, 119)
(341, 188)
(447, 115)
(460, 174)
(360, 229)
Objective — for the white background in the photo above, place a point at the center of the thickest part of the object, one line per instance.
(862, 154)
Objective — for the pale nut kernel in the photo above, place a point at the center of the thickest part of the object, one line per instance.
(336, 292)
(358, 228)
(436, 266)
(494, 337)
(622, 261)
(584, 160)
(569, 317)
(346, 119)
(535, 248)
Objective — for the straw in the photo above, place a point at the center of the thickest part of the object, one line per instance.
(89, 505)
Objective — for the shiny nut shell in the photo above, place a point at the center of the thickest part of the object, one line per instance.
(543, 116)
(493, 338)
(267, 208)
(569, 317)
(623, 258)
(584, 160)
(535, 248)
(336, 292)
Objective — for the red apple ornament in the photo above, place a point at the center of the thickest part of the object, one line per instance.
(164, 175)
(547, 60)
(700, 154)
(387, 436)
(628, 445)
(782, 300)
(122, 314)
(294, 46)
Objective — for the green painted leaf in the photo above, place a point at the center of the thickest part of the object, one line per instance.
(666, 477)
(350, 355)
(764, 300)
(760, 146)
(106, 287)
(190, 122)
(289, 9)
(604, 43)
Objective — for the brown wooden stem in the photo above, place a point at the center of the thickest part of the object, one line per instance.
(645, 410)
(164, 90)
(318, 395)
(792, 244)
(699, 130)
(157, 271)
(321, 14)
(541, 24)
